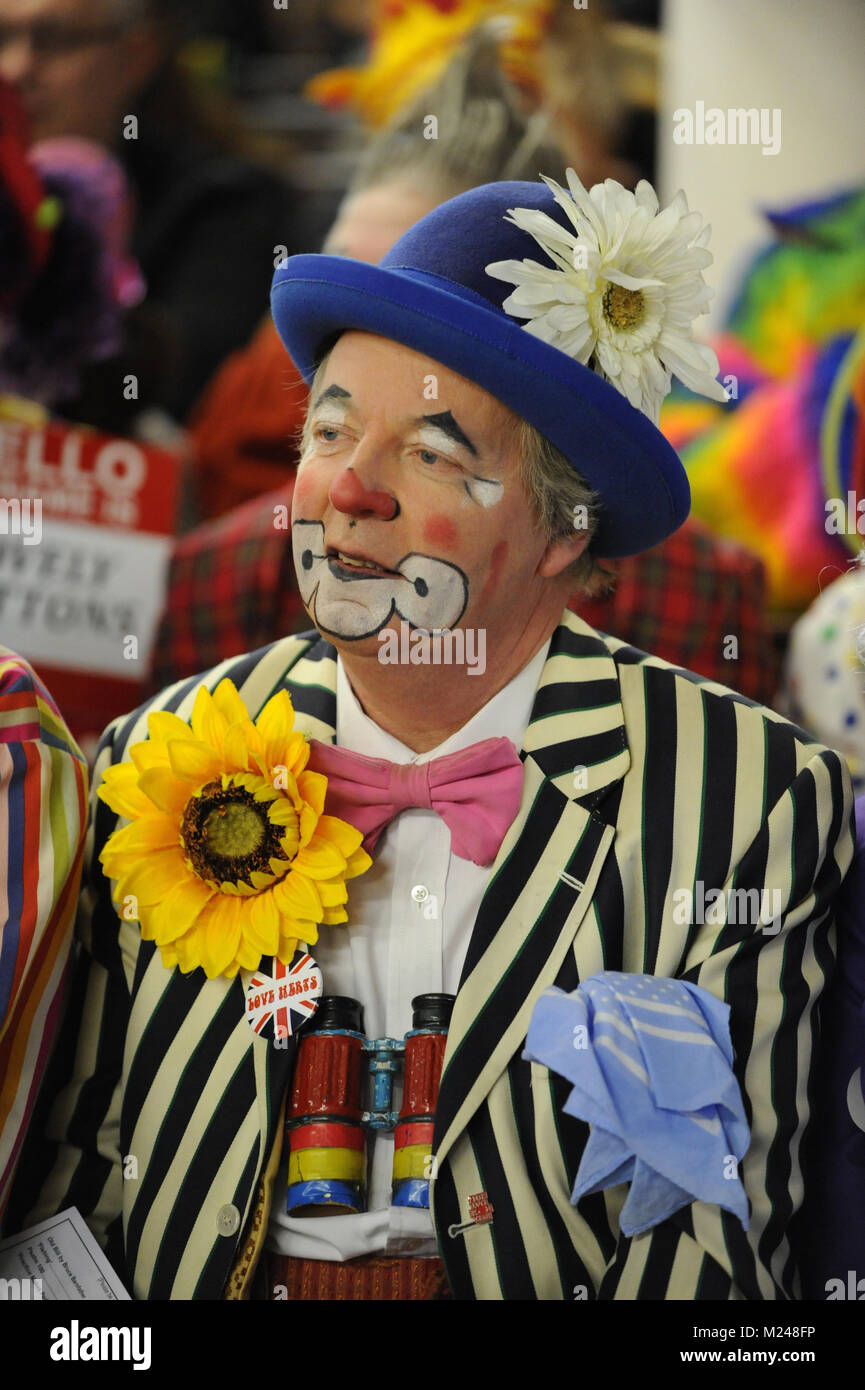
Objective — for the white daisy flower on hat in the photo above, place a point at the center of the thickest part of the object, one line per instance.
(623, 291)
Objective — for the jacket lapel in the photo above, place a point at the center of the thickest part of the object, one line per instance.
(545, 874)
(541, 884)
(311, 683)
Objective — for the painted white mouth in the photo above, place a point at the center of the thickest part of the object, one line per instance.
(352, 596)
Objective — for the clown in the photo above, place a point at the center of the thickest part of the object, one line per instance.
(481, 434)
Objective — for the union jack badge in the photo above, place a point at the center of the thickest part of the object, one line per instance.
(480, 1209)
(280, 999)
(480, 1214)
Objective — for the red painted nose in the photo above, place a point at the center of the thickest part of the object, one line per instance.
(348, 494)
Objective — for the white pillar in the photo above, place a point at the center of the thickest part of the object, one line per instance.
(804, 57)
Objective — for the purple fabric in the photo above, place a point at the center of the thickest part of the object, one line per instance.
(98, 194)
(475, 791)
(74, 313)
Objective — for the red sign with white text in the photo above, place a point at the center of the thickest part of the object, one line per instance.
(86, 528)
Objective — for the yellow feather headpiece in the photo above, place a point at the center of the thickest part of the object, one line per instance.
(412, 42)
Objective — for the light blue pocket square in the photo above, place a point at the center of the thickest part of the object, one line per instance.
(651, 1065)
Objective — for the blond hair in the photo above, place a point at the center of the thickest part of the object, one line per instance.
(482, 135)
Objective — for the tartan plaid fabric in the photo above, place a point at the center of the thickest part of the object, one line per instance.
(700, 602)
(694, 600)
(231, 589)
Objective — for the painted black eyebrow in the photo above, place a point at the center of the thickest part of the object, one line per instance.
(333, 393)
(448, 425)
(443, 421)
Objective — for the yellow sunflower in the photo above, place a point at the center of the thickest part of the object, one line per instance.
(229, 856)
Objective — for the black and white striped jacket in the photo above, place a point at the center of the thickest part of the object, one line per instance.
(640, 780)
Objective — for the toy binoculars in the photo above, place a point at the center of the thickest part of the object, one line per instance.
(326, 1122)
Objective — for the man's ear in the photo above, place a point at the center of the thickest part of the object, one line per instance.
(562, 552)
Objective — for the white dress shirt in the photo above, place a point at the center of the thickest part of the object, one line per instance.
(410, 921)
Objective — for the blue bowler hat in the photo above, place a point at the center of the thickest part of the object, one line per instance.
(432, 292)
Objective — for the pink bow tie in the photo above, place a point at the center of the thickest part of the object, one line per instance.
(475, 791)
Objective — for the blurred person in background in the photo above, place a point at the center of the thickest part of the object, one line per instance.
(592, 75)
(108, 70)
(232, 586)
(825, 683)
(70, 302)
(833, 1234)
(551, 80)
(68, 284)
(823, 686)
(43, 816)
(815, 460)
(246, 425)
(328, 26)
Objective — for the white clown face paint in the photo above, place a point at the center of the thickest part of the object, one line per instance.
(330, 412)
(487, 492)
(423, 591)
(388, 472)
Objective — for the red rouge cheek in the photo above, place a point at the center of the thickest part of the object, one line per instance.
(302, 491)
(440, 530)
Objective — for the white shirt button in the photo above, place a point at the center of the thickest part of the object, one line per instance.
(420, 893)
(227, 1220)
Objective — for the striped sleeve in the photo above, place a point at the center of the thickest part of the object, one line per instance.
(73, 1157)
(43, 809)
(772, 974)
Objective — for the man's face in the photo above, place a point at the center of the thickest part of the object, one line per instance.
(409, 504)
(74, 64)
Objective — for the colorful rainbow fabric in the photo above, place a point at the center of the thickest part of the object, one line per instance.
(782, 465)
(43, 817)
